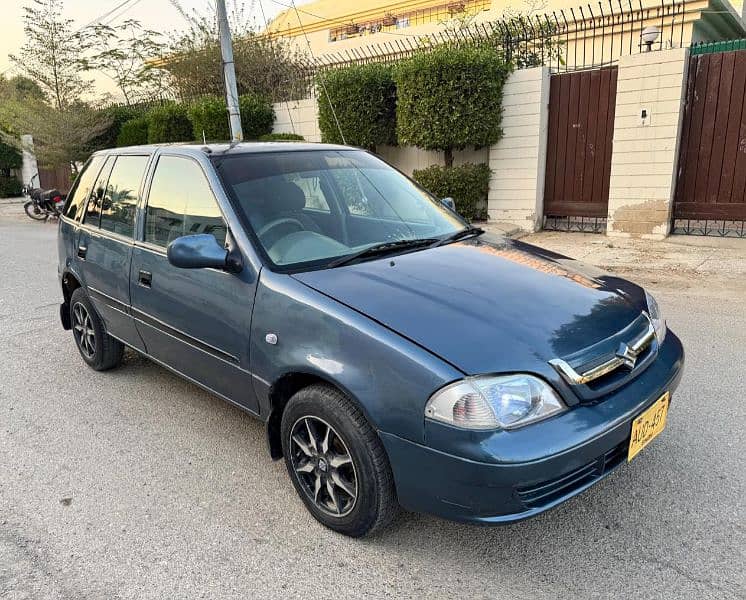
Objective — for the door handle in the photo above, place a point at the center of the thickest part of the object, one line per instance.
(145, 278)
(82, 251)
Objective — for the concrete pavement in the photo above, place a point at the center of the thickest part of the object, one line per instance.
(136, 484)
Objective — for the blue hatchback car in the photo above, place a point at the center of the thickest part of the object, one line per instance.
(398, 355)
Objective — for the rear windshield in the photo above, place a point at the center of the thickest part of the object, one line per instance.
(310, 208)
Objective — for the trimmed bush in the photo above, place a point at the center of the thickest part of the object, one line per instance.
(117, 116)
(257, 116)
(467, 184)
(364, 98)
(169, 123)
(282, 137)
(209, 115)
(133, 132)
(10, 157)
(10, 187)
(450, 98)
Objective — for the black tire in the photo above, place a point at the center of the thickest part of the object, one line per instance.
(375, 504)
(34, 212)
(100, 351)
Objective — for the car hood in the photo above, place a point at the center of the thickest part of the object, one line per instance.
(488, 304)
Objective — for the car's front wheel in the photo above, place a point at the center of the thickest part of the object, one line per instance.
(98, 349)
(337, 462)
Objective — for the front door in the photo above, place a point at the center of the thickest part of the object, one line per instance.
(195, 321)
(105, 241)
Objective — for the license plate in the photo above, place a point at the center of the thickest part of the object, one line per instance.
(648, 425)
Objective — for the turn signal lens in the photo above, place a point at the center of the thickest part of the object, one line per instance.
(494, 402)
(656, 317)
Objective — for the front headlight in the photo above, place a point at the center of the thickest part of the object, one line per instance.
(656, 317)
(494, 402)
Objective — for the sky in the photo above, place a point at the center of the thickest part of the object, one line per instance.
(159, 15)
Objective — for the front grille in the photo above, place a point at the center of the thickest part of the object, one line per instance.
(611, 363)
(554, 489)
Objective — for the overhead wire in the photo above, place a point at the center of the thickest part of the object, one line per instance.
(287, 104)
(321, 77)
(338, 21)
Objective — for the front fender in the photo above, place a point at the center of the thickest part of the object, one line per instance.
(388, 376)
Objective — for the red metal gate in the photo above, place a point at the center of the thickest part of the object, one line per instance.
(711, 185)
(581, 130)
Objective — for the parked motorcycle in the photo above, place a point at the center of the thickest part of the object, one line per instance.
(43, 204)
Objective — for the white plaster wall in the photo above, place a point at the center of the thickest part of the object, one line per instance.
(408, 158)
(29, 169)
(644, 159)
(298, 116)
(518, 160)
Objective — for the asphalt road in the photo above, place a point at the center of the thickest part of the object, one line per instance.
(136, 484)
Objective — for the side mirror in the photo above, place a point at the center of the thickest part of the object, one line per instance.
(449, 203)
(199, 251)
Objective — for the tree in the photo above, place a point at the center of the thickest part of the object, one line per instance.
(450, 98)
(21, 88)
(264, 65)
(52, 54)
(125, 53)
(60, 136)
(363, 98)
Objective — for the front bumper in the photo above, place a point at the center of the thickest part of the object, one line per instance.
(515, 475)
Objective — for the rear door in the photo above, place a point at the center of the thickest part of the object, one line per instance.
(196, 321)
(105, 242)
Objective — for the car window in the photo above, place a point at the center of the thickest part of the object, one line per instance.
(280, 195)
(82, 187)
(93, 210)
(122, 191)
(180, 202)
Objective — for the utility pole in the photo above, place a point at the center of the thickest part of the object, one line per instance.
(229, 73)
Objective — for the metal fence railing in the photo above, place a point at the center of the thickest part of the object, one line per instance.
(589, 36)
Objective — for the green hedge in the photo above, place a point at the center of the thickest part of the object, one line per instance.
(133, 133)
(282, 137)
(364, 99)
(257, 116)
(169, 123)
(209, 115)
(10, 187)
(450, 98)
(467, 184)
(117, 116)
(10, 157)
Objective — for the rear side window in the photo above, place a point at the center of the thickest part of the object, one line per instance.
(82, 188)
(93, 210)
(181, 203)
(122, 192)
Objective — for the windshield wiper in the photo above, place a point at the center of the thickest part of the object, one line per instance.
(459, 235)
(381, 249)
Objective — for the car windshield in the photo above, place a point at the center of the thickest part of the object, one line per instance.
(311, 209)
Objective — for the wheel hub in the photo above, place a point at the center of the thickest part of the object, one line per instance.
(323, 466)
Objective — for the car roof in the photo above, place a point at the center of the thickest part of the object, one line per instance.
(225, 149)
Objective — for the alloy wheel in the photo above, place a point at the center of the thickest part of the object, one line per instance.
(323, 466)
(83, 330)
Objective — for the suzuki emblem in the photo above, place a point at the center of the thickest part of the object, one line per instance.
(628, 355)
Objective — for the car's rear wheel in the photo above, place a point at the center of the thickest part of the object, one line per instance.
(99, 350)
(337, 462)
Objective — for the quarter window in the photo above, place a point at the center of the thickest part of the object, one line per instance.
(181, 203)
(93, 210)
(122, 191)
(82, 187)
